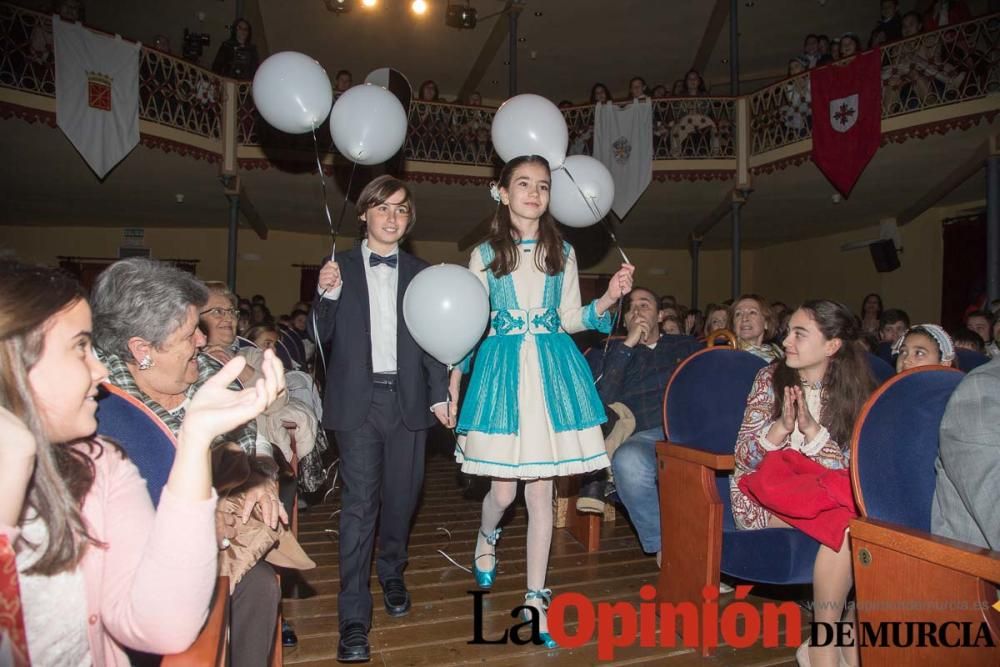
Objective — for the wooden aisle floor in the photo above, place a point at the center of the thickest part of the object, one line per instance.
(437, 629)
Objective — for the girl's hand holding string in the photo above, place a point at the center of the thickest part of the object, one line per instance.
(619, 285)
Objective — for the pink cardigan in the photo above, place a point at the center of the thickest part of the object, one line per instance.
(151, 586)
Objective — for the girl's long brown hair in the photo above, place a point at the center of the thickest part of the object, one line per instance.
(549, 256)
(848, 381)
(29, 296)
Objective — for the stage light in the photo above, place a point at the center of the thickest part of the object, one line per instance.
(460, 16)
(368, 3)
(418, 6)
(337, 6)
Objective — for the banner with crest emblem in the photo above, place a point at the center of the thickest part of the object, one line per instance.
(847, 117)
(97, 94)
(623, 142)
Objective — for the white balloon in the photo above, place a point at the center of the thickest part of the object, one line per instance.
(292, 92)
(447, 310)
(584, 202)
(368, 124)
(530, 125)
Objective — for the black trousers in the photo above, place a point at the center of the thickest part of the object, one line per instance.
(381, 464)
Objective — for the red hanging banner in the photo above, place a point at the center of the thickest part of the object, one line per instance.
(847, 118)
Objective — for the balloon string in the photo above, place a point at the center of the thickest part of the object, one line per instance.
(611, 232)
(333, 232)
(326, 204)
(597, 214)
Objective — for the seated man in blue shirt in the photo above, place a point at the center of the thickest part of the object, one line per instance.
(635, 372)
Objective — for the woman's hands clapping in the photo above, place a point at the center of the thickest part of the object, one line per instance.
(215, 409)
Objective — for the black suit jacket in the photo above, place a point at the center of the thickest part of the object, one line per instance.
(346, 324)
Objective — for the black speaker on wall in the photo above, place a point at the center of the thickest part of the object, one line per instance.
(884, 255)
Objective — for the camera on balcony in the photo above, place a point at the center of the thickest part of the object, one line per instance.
(194, 44)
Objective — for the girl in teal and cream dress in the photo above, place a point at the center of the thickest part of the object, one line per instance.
(531, 411)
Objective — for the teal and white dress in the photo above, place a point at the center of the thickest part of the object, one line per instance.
(531, 409)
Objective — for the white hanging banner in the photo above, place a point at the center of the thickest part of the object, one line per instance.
(97, 93)
(623, 142)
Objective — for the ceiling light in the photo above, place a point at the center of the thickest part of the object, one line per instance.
(538, 13)
(337, 6)
(418, 6)
(368, 3)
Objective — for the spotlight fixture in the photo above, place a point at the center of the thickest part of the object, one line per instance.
(460, 16)
(338, 6)
(418, 6)
(369, 3)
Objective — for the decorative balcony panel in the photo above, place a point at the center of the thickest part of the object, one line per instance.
(950, 65)
(181, 106)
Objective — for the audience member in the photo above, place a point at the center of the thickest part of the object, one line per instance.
(946, 12)
(716, 318)
(237, 57)
(343, 80)
(694, 323)
(146, 334)
(823, 49)
(892, 324)
(599, 94)
(797, 109)
(40, 42)
(810, 50)
(967, 339)
(264, 336)
(659, 90)
(806, 406)
(871, 313)
(217, 319)
(90, 540)
(981, 322)
(428, 92)
(753, 325)
(671, 324)
(923, 345)
(889, 23)
(850, 45)
(968, 463)
(695, 118)
(635, 372)
(637, 88)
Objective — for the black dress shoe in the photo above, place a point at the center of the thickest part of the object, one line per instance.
(288, 636)
(396, 597)
(353, 644)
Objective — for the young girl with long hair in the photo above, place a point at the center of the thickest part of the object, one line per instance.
(98, 569)
(531, 411)
(808, 403)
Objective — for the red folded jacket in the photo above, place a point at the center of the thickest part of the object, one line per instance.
(816, 500)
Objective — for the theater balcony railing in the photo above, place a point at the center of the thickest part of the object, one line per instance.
(933, 82)
(180, 104)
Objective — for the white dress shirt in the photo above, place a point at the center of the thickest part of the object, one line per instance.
(383, 283)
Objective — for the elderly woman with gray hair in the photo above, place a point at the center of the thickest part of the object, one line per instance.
(146, 332)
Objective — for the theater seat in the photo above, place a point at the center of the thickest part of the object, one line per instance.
(966, 360)
(881, 369)
(902, 572)
(703, 409)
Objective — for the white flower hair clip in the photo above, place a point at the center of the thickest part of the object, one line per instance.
(495, 191)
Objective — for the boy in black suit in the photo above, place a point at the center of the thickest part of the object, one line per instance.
(382, 394)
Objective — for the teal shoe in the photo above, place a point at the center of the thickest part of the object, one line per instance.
(486, 579)
(545, 595)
